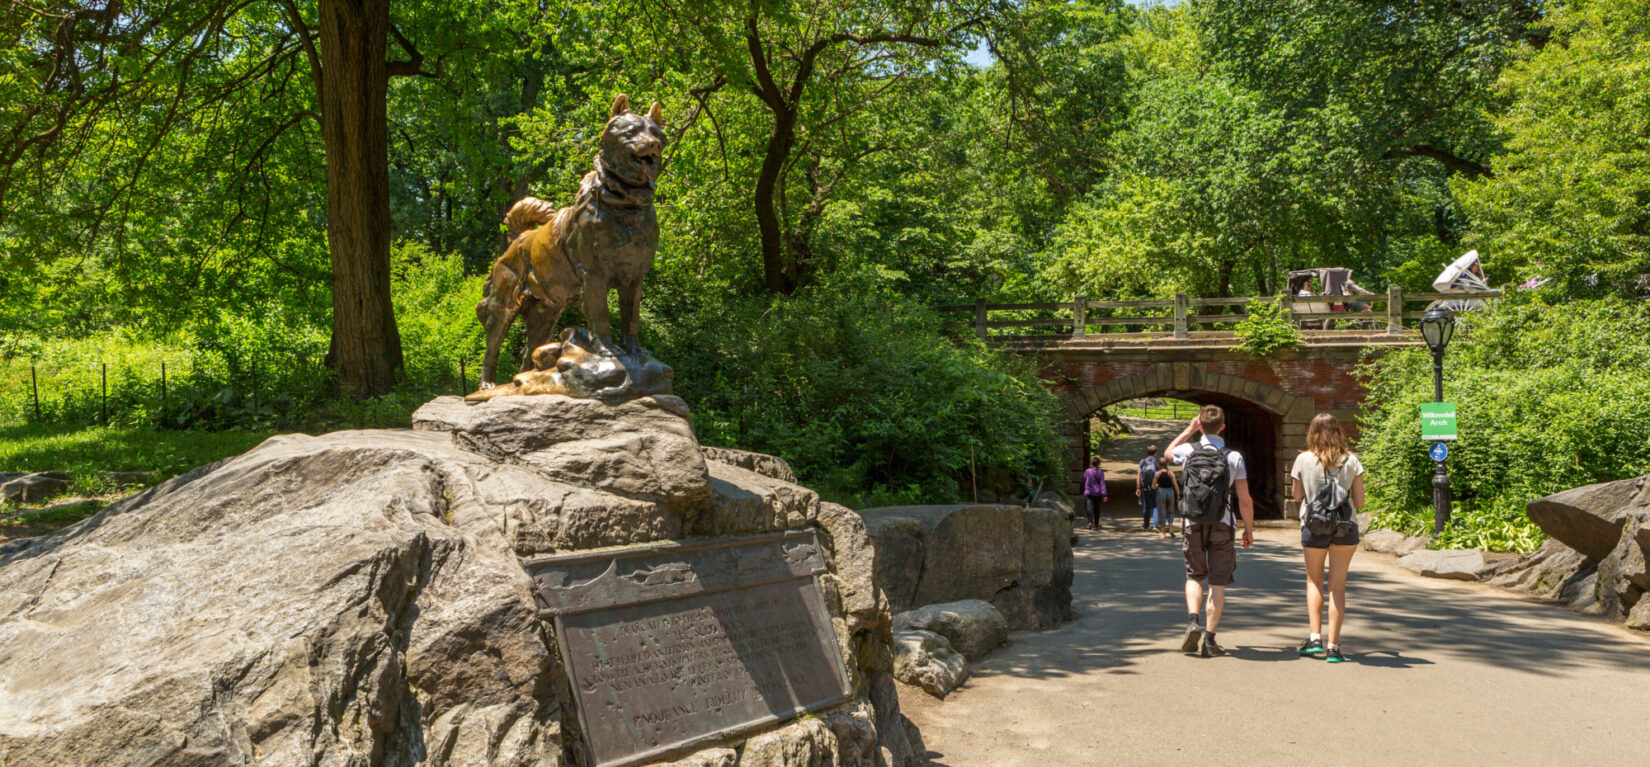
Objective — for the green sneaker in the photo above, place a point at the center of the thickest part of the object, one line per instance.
(1310, 646)
(1333, 655)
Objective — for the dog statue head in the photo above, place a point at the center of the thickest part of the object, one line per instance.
(632, 145)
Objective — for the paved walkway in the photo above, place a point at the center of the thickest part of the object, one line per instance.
(1439, 673)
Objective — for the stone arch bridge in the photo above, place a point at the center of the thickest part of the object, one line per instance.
(1269, 400)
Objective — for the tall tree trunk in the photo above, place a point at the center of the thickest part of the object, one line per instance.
(355, 131)
(777, 273)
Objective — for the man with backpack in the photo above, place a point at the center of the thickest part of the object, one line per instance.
(1143, 489)
(1213, 476)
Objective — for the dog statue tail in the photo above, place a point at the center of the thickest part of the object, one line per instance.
(527, 213)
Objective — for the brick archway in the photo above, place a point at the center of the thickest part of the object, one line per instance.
(1265, 423)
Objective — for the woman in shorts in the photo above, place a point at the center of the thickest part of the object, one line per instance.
(1328, 455)
(1167, 488)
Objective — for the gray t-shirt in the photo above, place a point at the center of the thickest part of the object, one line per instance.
(1234, 467)
(1310, 471)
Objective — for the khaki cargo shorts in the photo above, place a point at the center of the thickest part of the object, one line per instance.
(1211, 553)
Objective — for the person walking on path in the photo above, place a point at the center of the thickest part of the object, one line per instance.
(1143, 486)
(1094, 490)
(1209, 548)
(1328, 458)
(1167, 490)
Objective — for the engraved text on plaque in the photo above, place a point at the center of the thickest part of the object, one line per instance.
(674, 646)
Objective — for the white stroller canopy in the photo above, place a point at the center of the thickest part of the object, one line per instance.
(1458, 276)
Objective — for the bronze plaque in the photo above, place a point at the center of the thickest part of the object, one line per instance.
(673, 647)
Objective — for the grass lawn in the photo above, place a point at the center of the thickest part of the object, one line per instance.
(86, 451)
(1170, 410)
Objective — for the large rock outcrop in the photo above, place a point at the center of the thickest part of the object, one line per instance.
(1594, 560)
(1018, 559)
(358, 598)
(1588, 519)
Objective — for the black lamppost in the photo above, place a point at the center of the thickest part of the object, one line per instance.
(1437, 326)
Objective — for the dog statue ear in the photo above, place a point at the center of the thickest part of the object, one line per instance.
(656, 113)
(620, 106)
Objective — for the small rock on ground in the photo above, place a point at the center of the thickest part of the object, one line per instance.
(1457, 564)
(36, 487)
(973, 626)
(926, 659)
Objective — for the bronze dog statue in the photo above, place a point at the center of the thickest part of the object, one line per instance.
(605, 240)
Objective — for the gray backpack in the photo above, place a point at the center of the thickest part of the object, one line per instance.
(1328, 511)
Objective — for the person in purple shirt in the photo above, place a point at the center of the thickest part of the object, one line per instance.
(1094, 491)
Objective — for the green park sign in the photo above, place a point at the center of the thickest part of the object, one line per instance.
(1437, 421)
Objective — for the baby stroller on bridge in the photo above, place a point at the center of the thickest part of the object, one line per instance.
(1333, 282)
(1464, 275)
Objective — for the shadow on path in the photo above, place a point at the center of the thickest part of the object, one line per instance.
(1128, 596)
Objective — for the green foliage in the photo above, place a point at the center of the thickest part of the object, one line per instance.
(858, 390)
(84, 452)
(1111, 150)
(1570, 199)
(1498, 525)
(1548, 397)
(1266, 329)
(257, 367)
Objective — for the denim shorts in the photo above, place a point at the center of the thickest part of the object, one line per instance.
(1348, 536)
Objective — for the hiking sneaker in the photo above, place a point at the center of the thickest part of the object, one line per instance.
(1194, 635)
(1310, 646)
(1333, 655)
(1210, 649)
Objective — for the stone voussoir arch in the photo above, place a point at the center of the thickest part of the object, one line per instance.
(1288, 407)
(1281, 434)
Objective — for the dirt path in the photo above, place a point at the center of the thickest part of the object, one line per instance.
(1439, 672)
(1120, 456)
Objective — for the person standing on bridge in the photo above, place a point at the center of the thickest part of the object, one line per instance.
(1328, 458)
(1209, 548)
(1094, 490)
(1143, 487)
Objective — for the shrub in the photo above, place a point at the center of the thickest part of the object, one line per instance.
(1547, 398)
(1266, 329)
(857, 388)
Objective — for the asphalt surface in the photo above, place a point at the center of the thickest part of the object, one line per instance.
(1438, 673)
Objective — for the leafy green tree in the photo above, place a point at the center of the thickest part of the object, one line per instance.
(812, 68)
(1414, 77)
(1570, 198)
(134, 112)
(1215, 191)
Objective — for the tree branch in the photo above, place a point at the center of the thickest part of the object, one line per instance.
(414, 65)
(765, 88)
(308, 39)
(1451, 162)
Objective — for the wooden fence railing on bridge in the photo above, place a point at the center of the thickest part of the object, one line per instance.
(1081, 314)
